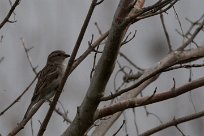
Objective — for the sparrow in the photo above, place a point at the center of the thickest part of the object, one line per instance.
(49, 78)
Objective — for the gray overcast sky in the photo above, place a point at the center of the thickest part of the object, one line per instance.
(48, 25)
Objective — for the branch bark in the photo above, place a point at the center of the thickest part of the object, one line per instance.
(176, 57)
(6, 19)
(24, 121)
(174, 122)
(85, 113)
(136, 102)
(105, 125)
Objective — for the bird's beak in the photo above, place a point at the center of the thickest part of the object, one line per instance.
(66, 55)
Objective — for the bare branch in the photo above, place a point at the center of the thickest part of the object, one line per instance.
(176, 57)
(121, 126)
(28, 57)
(83, 120)
(106, 124)
(6, 19)
(89, 50)
(177, 17)
(133, 64)
(200, 27)
(188, 34)
(132, 77)
(19, 97)
(174, 122)
(63, 115)
(98, 3)
(153, 10)
(135, 121)
(187, 66)
(98, 28)
(136, 102)
(68, 69)
(166, 33)
(126, 40)
(180, 130)
(24, 121)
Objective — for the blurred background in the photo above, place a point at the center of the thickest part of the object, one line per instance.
(48, 25)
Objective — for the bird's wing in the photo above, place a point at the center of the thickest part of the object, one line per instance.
(47, 75)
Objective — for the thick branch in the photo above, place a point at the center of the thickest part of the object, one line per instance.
(106, 124)
(152, 10)
(84, 118)
(176, 57)
(136, 102)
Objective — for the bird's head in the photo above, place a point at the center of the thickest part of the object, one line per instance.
(57, 57)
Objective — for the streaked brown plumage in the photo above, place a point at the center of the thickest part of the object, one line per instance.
(49, 78)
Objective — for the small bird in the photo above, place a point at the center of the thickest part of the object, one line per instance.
(49, 78)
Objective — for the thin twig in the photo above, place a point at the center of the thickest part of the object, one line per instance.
(121, 126)
(126, 40)
(63, 115)
(177, 17)
(179, 130)
(89, 50)
(25, 120)
(135, 121)
(148, 113)
(200, 27)
(27, 55)
(98, 28)
(187, 66)
(166, 33)
(114, 81)
(19, 97)
(128, 60)
(125, 123)
(31, 126)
